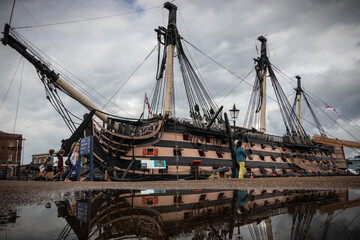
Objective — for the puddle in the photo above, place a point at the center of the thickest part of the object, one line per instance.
(188, 214)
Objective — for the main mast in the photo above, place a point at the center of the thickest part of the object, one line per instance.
(263, 69)
(170, 47)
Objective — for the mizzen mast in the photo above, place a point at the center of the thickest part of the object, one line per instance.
(298, 99)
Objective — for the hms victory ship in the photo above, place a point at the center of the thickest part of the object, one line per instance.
(163, 147)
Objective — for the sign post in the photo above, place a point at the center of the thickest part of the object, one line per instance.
(87, 148)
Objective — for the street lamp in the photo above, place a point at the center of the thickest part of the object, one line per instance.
(234, 112)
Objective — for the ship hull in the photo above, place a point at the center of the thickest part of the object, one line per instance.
(170, 150)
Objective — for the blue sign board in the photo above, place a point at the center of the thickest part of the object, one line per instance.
(86, 145)
(87, 148)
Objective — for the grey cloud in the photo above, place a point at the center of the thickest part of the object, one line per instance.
(318, 39)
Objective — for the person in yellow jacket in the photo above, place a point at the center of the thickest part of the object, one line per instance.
(240, 158)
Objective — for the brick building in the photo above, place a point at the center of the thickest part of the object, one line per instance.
(10, 152)
(40, 158)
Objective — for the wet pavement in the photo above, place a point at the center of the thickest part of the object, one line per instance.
(33, 192)
(298, 208)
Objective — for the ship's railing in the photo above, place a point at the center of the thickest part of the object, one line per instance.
(131, 131)
(296, 140)
(264, 137)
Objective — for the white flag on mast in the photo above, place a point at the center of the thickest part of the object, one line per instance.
(331, 109)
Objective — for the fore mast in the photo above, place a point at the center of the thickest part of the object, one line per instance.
(170, 47)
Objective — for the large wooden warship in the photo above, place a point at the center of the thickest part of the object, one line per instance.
(163, 147)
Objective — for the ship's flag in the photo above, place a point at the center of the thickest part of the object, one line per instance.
(331, 109)
(257, 50)
(148, 104)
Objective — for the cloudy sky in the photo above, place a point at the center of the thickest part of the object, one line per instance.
(316, 39)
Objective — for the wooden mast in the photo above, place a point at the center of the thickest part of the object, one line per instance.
(263, 69)
(170, 47)
(81, 99)
(298, 99)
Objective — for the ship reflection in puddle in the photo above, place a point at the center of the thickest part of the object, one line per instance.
(205, 214)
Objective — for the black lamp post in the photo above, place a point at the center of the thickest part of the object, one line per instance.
(234, 112)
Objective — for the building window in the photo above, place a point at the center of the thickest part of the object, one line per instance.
(11, 144)
(10, 157)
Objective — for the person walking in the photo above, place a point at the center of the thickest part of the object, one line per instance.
(74, 158)
(60, 165)
(60, 159)
(240, 158)
(49, 163)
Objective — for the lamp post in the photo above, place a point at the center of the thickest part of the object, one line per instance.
(234, 112)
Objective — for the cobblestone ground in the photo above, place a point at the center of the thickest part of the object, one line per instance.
(38, 192)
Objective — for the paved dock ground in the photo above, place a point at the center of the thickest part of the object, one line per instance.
(37, 192)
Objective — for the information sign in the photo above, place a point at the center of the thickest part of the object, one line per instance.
(86, 145)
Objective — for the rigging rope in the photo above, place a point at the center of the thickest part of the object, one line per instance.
(82, 90)
(321, 109)
(18, 99)
(56, 103)
(88, 19)
(31, 47)
(12, 80)
(242, 79)
(228, 94)
(308, 93)
(12, 11)
(231, 72)
(130, 76)
(314, 96)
